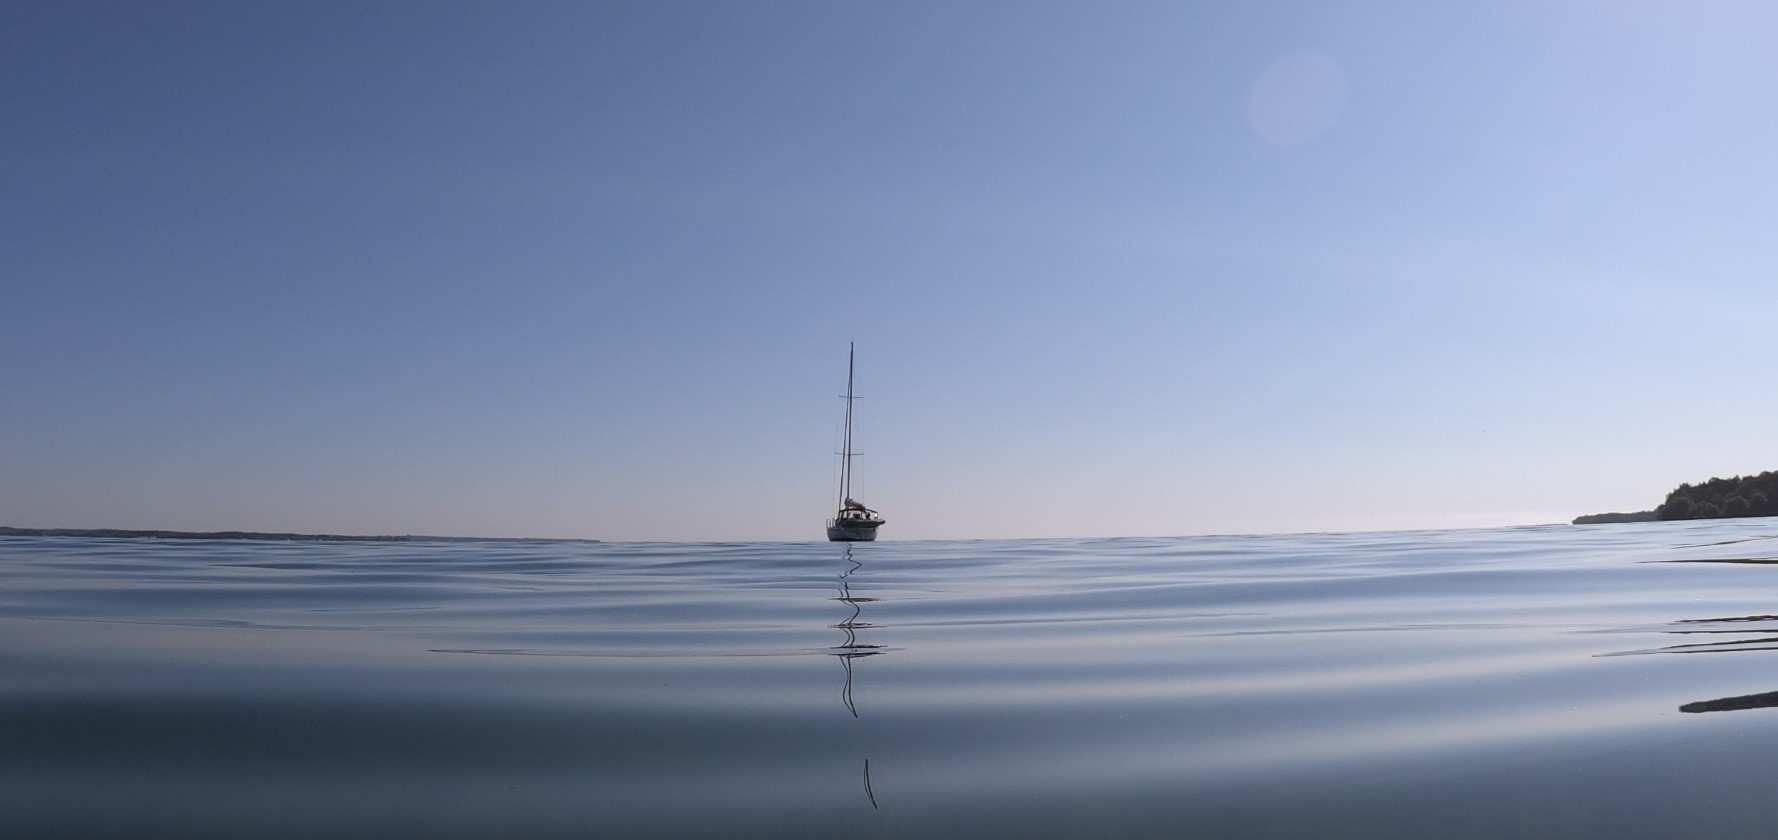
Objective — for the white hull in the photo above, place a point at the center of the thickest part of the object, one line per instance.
(852, 532)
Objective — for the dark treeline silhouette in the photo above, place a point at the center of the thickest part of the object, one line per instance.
(1608, 518)
(1722, 498)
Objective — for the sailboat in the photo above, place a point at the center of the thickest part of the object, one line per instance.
(854, 522)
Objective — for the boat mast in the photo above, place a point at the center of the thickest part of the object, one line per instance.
(846, 457)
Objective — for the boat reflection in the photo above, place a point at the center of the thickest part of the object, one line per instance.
(852, 648)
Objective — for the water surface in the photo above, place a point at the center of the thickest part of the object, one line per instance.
(1601, 681)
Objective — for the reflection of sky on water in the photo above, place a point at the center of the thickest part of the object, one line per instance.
(1024, 681)
(1729, 634)
(1130, 752)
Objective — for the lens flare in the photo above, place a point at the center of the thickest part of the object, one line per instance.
(1296, 99)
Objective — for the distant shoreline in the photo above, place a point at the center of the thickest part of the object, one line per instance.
(1608, 518)
(123, 533)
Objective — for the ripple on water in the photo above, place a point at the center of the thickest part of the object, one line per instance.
(1512, 682)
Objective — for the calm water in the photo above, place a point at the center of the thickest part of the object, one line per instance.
(1605, 681)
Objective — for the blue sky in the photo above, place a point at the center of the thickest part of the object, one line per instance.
(590, 269)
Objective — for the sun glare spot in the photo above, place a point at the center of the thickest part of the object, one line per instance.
(1296, 99)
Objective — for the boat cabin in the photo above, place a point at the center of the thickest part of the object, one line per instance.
(854, 512)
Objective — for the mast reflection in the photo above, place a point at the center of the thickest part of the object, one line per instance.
(851, 647)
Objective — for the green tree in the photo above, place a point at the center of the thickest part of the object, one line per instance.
(1676, 507)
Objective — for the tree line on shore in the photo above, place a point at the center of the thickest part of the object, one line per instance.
(1723, 498)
